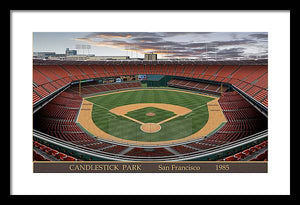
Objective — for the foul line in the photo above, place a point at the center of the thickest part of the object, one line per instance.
(105, 109)
(195, 109)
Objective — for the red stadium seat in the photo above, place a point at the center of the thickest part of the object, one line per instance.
(36, 144)
(69, 158)
(263, 144)
(252, 150)
(246, 152)
(230, 158)
(48, 150)
(239, 155)
(258, 147)
(61, 156)
(43, 147)
(54, 153)
(38, 157)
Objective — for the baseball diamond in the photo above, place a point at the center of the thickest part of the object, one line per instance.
(179, 115)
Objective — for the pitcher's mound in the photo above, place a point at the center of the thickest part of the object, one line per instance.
(150, 114)
(150, 127)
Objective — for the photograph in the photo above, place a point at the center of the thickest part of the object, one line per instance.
(150, 102)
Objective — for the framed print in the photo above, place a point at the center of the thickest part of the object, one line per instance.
(160, 102)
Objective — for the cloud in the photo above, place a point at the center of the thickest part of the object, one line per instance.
(177, 47)
(172, 34)
(233, 42)
(231, 53)
(208, 49)
(257, 56)
(147, 39)
(124, 35)
(109, 35)
(260, 35)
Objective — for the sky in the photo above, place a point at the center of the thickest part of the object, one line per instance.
(168, 45)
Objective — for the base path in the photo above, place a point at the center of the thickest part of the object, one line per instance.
(123, 110)
(178, 110)
(150, 127)
(215, 119)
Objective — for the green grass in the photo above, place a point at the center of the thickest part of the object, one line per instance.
(141, 116)
(124, 128)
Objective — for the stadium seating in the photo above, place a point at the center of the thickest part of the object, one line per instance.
(75, 72)
(36, 97)
(243, 120)
(250, 79)
(57, 118)
(210, 72)
(98, 145)
(45, 153)
(155, 152)
(39, 78)
(251, 154)
(198, 86)
(225, 73)
(183, 149)
(116, 149)
(92, 88)
(201, 145)
(41, 91)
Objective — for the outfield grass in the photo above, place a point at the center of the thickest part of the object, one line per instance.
(124, 128)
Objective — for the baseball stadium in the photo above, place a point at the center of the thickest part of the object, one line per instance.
(150, 110)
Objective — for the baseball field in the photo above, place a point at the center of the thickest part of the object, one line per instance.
(150, 116)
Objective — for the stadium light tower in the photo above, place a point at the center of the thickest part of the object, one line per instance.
(83, 47)
(78, 47)
(88, 48)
